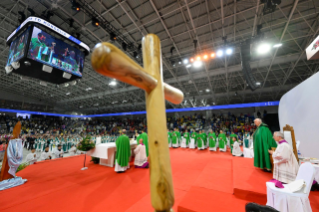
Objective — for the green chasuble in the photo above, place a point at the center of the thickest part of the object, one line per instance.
(222, 140)
(200, 140)
(231, 136)
(169, 137)
(186, 136)
(179, 137)
(145, 141)
(176, 137)
(194, 135)
(212, 140)
(204, 136)
(263, 141)
(123, 150)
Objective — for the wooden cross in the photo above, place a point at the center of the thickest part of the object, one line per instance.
(110, 61)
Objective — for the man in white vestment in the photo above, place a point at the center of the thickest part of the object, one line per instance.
(236, 148)
(46, 155)
(58, 153)
(32, 157)
(140, 155)
(285, 163)
(72, 150)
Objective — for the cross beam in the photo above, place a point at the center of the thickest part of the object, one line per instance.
(110, 61)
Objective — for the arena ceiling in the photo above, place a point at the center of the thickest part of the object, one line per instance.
(294, 23)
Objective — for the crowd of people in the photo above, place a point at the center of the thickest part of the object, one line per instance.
(51, 138)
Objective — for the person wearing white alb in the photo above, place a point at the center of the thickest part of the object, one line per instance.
(32, 157)
(285, 163)
(236, 148)
(72, 150)
(58, 153)
(46, 155)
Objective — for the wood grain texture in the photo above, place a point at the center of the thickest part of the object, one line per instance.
(110, 61)
(161, 182)
(5, 166)
(293, 138)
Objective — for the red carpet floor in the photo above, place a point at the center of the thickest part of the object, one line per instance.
(203, 181)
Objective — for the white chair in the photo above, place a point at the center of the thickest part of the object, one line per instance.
(284, 200)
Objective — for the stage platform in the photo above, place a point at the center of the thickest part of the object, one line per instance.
(203, 181)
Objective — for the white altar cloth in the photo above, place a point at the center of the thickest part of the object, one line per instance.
(106, 152)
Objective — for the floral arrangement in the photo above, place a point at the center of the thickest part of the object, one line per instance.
(86, 144)
(22, 166)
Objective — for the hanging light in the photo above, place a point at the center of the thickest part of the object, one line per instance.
(263, 48)
(220, 53)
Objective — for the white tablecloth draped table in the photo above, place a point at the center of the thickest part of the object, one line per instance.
(106, 152)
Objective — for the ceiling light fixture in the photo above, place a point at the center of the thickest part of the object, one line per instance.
(112, 83)
(229, 51)
(263, 48)
(277, 45)
(95, 22)
(220, 53)
(198, 64)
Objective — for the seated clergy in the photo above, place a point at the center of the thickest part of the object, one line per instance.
(72, 150)
(32, 157)
(58, 153)
(140, 155)
(236, 148)
(46, 155)
(285, 163)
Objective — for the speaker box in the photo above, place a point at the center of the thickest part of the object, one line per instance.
(245, 66)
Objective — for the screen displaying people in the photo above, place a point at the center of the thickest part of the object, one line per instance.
(56, 53)
(17, 47)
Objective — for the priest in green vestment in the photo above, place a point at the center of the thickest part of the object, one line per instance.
(192, 144)
(176, 138)
(169, 138)
(263, 141)
(204, 136)
(187, 137)
(200, 140)
(179, 136)
(232, 135)
(212, 140)
(222, 141)
(144, 136)
(123, 152)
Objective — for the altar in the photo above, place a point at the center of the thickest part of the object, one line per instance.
(106, 152)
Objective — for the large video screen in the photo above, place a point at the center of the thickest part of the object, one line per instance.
(56, 53)
(17, 47)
